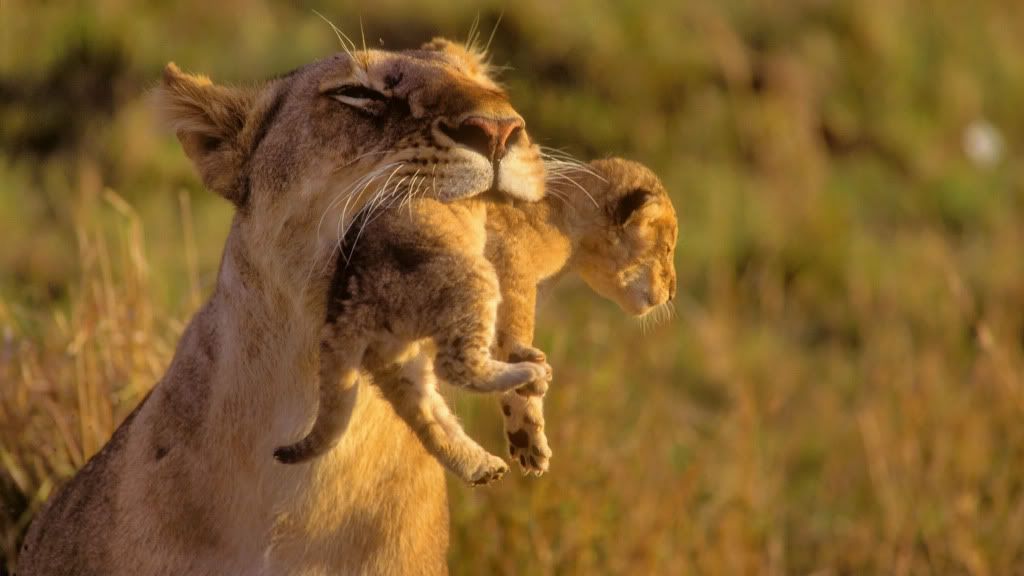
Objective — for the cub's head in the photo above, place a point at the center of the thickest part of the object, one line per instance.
(299, 155)
(627, 251)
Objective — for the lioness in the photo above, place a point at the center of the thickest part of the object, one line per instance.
(187, 484)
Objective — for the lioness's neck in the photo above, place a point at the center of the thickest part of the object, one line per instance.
(263, 394)
(269, 339)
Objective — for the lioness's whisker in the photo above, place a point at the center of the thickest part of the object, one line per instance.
(369, 210)
(346, 193)
(563, 166)
(343, 223)
(364, 182)
(346, 43)
(566, 178)
(414, 186)
(343, 194)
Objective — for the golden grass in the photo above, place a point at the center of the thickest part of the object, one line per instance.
(65, 393)
(842, 391)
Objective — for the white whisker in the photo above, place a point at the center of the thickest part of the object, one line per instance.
(367, 212)
(565, 178)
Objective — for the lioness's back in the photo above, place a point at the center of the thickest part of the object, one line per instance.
(74, 522)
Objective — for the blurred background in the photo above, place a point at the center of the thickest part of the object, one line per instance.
(841, 390)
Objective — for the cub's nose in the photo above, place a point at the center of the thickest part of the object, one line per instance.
(488, 136)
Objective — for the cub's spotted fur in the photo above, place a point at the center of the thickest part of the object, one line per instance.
(418, 273)
(611, 221)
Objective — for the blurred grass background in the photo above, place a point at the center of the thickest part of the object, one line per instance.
(841, 392)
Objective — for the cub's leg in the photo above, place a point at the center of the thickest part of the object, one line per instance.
(464, 334)
(524, 414)
(411, 387)
(524, 422)
(339, 379)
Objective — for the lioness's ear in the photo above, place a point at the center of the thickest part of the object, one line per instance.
(208, 120)
(474, 59)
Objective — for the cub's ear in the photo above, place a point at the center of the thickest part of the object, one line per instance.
(208, 120)
(630, 205)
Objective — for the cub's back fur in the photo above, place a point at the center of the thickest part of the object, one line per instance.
(411, 274)
(614, 223)
(422, 275)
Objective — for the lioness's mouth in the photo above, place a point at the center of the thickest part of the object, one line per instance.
(496, 177)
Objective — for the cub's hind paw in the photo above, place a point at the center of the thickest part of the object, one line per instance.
(492, 469)
(530, 450)
(524, 428)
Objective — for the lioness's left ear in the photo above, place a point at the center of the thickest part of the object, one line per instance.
(208, 120)
(630, 205)
(475, 60)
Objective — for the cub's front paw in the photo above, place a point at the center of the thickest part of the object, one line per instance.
(524, 428)
(489, 470)
(537, 386)
(523, 353)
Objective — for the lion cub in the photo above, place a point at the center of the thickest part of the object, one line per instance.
(614, 224)
(611, 221)
(411, 275)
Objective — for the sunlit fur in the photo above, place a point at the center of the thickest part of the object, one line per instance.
(418, 275)
(187, 484)
(612, 222)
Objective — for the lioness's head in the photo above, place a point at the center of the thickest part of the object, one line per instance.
(300, 154)
(627, 254)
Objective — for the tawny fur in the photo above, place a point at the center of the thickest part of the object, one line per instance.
(187, 485)
(613, 223)
(418, 274)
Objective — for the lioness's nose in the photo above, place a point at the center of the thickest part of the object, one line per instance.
(488, 136)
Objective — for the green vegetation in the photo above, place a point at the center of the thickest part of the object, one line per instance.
(842, 391)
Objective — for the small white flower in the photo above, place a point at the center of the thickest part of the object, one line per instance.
(983, 144)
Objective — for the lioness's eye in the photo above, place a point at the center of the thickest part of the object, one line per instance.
(356, 95)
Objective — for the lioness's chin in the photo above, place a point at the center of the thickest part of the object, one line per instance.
(521, 175)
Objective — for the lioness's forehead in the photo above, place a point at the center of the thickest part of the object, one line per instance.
(389, 69)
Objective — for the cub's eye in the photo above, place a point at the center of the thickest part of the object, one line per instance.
(358, 96)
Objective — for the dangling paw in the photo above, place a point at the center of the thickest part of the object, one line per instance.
(524, 428)
(489, 469)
